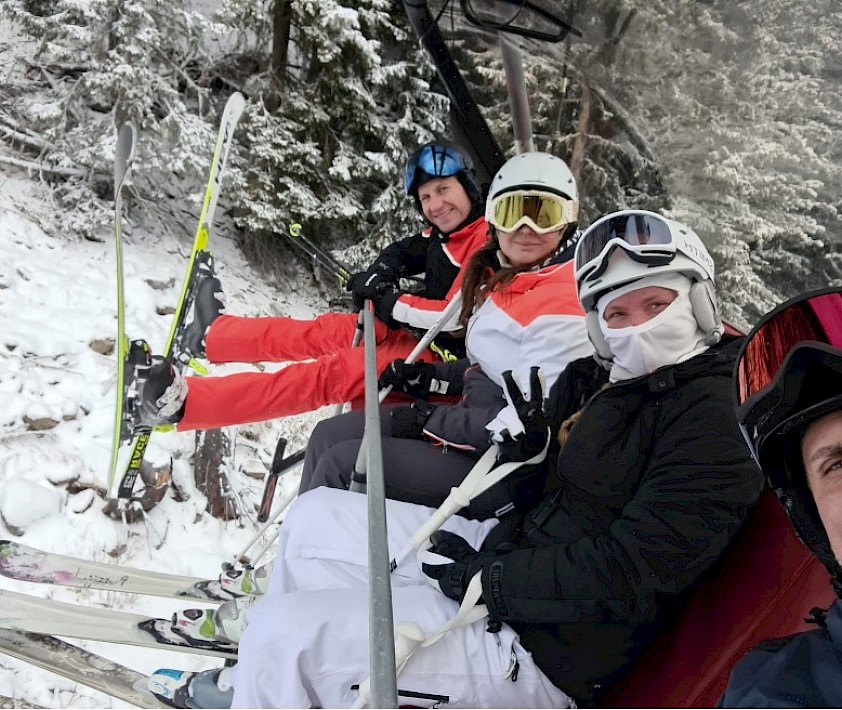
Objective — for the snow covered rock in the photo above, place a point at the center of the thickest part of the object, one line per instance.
(24, 502)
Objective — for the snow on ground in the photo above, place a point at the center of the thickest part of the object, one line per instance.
(57, 396)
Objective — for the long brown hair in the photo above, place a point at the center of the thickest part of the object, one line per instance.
(567, 424)
(483, 274)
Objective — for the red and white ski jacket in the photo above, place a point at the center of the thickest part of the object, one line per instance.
(443, 265)
(536, 320)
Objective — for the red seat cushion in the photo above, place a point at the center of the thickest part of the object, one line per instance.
(763, 589)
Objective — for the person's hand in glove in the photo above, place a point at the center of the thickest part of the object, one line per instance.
(451, 563)
(372, 284)
(408, 422)
(417, 379)
(521, 429)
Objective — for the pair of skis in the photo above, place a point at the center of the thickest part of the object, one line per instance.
(24, 612)
(128, 449)
(26, 621)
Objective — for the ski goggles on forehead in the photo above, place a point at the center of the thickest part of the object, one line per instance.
(436, 161)
(645, 238)
(542, 212)
(800, 337)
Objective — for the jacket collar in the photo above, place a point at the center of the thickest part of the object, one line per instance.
(716, 360)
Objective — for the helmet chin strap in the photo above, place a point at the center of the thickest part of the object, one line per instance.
(705, 311)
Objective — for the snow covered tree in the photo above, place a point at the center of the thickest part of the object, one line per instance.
(741, 104)
(336, 104)
(96, 64)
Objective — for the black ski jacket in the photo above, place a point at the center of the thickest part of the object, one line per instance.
(440, 258)
(652, 485)
(800, 671)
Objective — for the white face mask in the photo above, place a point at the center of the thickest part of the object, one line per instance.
(670, 337)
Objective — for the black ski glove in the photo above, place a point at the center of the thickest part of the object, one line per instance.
(526, 417)
(453, 577)
(372, 285)
(408, 422)
(417, 379)
(384, 303)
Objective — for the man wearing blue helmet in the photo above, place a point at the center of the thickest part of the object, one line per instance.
(440, 179)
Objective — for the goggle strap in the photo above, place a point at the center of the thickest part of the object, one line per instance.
(650, 256)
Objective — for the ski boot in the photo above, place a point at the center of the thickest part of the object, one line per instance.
(158, 396)
(186, 689)
(243, 581)
(222, 625)
(208, 305)
(235, 582)
(138, 361)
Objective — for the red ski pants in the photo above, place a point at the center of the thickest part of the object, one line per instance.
(334, 374)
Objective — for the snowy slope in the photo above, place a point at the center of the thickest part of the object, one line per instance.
(57, 393)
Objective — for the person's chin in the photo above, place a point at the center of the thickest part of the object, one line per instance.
(529, 255)
(446, 225)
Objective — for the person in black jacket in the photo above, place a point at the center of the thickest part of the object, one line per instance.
(326, 369)
(788, 387)
(650, 480)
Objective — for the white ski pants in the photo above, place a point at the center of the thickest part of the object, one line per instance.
(306, 643)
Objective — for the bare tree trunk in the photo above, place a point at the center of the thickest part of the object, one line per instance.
(213, 451)
(281, 28)
(581, 143)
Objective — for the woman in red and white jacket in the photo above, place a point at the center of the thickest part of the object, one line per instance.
(520, 310)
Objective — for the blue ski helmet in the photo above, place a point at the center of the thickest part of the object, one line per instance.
(438, 159)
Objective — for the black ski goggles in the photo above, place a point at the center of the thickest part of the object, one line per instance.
(436, 161)
(789, 370)
(645, 238)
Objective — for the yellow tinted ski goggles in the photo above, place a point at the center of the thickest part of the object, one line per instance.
(542, 212)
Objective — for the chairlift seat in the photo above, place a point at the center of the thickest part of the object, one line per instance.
(763, 589)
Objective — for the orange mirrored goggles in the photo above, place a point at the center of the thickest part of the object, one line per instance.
(790, 363)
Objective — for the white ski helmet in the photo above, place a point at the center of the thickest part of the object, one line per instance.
(625, 246)
(534, 173)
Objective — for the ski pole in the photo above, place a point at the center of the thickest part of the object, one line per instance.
(280, 465)
(384, 684)
(270, 539)
(358, 476)
(320, 257)
(316, 261)
(241, 557)
(409, 636)
(317, 253)
(480, 478)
